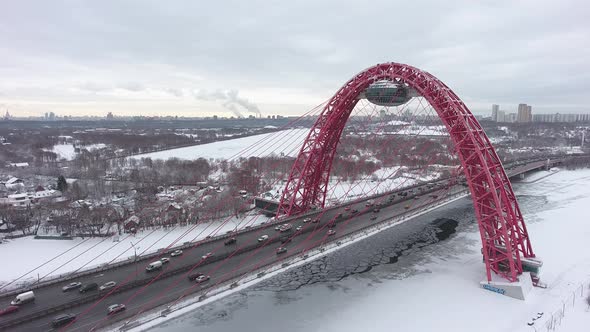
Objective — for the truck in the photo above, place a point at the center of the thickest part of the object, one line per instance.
(23, 298)
(153, 266)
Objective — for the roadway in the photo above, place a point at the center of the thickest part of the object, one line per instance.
(172, 287)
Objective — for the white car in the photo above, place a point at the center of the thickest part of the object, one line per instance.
(263, 238)
(164, 260)
(71, 286)
(306, 220)
(278, 228)
(176, 253)
(201, 279)
(108, 285)
(115, 308)
(331, 232)
(207, 255)
(299, 228)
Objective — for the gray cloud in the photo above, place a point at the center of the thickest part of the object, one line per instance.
(488, 52)
(132, 86)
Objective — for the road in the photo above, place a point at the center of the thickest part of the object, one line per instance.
(166, 290)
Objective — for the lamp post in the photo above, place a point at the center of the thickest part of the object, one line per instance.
(135, 257)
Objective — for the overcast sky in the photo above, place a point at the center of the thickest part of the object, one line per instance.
(196, 58)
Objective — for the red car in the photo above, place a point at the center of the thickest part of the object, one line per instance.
(8, 310)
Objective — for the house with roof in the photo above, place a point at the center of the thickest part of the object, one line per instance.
(131, 224)
(14, 183)
(18, 165)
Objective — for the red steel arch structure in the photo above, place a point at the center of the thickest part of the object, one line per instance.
(503, 232)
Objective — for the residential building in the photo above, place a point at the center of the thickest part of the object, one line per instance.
(495, 109)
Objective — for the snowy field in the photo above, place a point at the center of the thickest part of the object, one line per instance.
(44, 258)
(430, 287)
(67, 151)
(287, 142)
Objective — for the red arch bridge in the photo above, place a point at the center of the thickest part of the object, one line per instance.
(392, 143)
(504, 236)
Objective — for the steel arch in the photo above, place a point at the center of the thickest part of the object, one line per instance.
(503, 231)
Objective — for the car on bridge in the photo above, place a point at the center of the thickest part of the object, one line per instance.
(194, 276)
(285, 227)
(347, 208)
(115, 308)
(306, 220)
(373, 217)
(299, 228)
(316, 220)
(376, 210)
(153, 266)
(354, 211)
(281, 250)
(62, 320)
(406, 207)
(108, 285)
(202, 278)
(434, 196)
(263, 238)
(285, 239)
(331, 232)
(72, 285)
(207, 255)
(230, 241)
(88, 287)
(176, 253)
(8, 310)
(165, 260)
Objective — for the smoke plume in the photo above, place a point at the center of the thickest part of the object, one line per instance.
(230, 100)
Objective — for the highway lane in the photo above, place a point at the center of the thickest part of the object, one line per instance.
(51, 296)
(225, 270)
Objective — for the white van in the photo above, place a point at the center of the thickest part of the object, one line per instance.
(154, 266)
(23, 298)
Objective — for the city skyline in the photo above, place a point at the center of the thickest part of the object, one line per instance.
(182, 59)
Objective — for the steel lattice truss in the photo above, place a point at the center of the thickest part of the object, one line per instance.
(503, 232)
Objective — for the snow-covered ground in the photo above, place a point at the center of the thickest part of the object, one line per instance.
(432, 287)
(382, 180)
(67, 151)
(64, 151)
(287, 142)
(40, 258)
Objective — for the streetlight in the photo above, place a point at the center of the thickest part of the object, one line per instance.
(135, 257)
